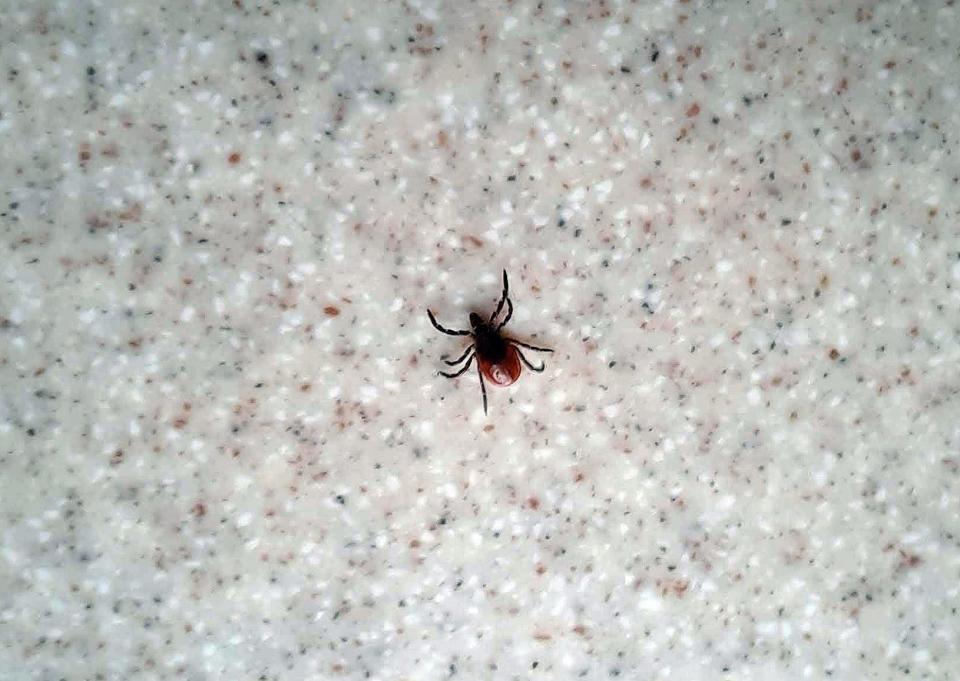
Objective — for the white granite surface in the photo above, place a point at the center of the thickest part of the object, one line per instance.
(224, 449)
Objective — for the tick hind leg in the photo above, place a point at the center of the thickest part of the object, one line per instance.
(483, 389)
(504, 298)
(441, 329)
(462, 370)
(528, 346)
(527, 362)
(455, 362)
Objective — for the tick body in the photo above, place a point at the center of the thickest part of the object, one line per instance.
(499, 358)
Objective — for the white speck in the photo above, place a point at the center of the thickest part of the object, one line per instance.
(374, 33)
(613, 30)
(209, 649)
(603, 189)
(724, 266)
(368, 393)
(509, 23)
(727, 502)
(955, 271)
(187, 314)
(476, 539)
(645, 140)
(630, 132)
(518, 149)
(244, 520)
(205, 48)
(550, 139)
(611, 410)
(753, 397)
(87, 316)
(285, 139)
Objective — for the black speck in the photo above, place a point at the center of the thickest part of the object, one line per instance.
(715, 120)
(625, 69)
(263, 58)
(786, 221)
(512, 178)
(577, 232)
(655, 55)
(91, 72)
(341, 499)
(258, 385)
(31, 432)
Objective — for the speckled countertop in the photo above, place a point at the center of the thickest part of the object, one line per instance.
(224, 449)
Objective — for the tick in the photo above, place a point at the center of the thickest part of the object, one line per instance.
(498, 357)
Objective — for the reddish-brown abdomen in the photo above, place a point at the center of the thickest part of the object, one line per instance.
(504, 372)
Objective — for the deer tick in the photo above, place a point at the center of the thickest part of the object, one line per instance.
(498, 357)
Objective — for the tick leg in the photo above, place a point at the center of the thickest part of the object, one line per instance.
(503, 298)
(449, 332)
(509, 314)
(462, 357)
(483, 389)
(527, 345)
(462, 370)
(527, 362)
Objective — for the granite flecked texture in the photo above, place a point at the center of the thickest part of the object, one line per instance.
(224, 449)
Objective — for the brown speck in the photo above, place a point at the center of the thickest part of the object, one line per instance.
(331, 310)
(542, 636)
(533, 503)
(541, 568)
(693, 110)
(487, 428)
(855, 155)
(909, 560)
(199, 509)
(234, 158)
(474, 240)
(116, 458)
(834, 353)
(305, 387)
(442, 139)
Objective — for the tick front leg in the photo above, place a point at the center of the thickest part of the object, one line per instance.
(462, 370)
(449, 332)
(503, 298)
(528, 346)
(509, 314)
